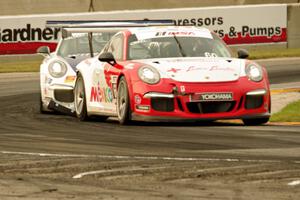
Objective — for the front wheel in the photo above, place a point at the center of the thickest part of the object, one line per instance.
(123, 104)
(79, 99)
(256, 121)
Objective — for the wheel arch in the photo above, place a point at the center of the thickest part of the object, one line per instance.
(85, 71)
(126, 75)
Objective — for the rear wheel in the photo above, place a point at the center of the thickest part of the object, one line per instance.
(79, 99)
(256, 121)
(123, 104)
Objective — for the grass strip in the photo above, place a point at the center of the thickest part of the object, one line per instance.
(290, 113)
(19, 66)
(274, 53)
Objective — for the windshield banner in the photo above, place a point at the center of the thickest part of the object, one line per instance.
(236, 25)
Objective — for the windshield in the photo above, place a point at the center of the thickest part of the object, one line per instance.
(80, 44)
(174, 46)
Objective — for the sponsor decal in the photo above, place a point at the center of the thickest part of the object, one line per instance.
(217, 68)
(99, 94)
(137, 99)
(202, 21)
(113, 79)
(208, 54)
(45, 91)
(28, 33)
(70, 79)
(182, 89)
(244, 37)
(194, 68)
(48, 80)
(234, 24)
(206, 21)
(26, 39)
(212, 68)
(173, 70)
(263, 31)
(218, 96)
(176, 33)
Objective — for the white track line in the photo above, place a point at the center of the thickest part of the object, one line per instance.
(294, 183)
(80, 175)
(138, 157)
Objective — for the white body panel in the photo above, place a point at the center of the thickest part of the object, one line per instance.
(202, 69)
(48, 83)
(92, 71)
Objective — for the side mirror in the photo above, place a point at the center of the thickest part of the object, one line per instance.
(243, 53)
(107, 57)
(43, 50)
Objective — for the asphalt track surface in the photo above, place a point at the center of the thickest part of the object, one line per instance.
(281, 72)
(58, 157)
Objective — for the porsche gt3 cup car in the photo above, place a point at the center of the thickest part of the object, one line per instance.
(58, 69)
(171, 73)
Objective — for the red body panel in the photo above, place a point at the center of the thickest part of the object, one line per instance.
(238, 88)
(137, 88)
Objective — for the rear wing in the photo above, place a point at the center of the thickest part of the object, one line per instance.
(86, 26)
(100, 26)
(108, 23)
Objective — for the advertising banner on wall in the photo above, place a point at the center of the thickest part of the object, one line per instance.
(236, 25)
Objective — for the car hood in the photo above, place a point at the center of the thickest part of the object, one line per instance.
(73, 61)
(199, 69)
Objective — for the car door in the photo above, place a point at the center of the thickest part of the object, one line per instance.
(111, 72)
(104, 79)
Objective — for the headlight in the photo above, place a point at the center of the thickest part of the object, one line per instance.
(149, 74)
(254, 72)
(57, 69)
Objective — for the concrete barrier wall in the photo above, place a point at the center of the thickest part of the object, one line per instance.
(21, 7)
(293, 26)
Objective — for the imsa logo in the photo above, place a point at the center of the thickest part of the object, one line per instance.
(216, 97)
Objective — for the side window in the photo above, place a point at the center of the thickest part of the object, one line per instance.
(116, 47)
(106, 47)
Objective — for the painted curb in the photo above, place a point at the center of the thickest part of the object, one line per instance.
(237, 121)
(284, 123)
(287, 90)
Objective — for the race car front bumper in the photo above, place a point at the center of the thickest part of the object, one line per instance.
(181, 101)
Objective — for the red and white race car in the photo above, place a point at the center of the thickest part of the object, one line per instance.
(168, 73)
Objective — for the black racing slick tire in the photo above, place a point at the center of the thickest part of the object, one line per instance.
(80, 99)
(123, 102)
(256, 121)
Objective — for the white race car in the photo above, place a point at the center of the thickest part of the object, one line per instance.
(58, 69)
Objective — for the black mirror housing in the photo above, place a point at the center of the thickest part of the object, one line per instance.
(44, 50)
(107, 57)
(243, 53)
